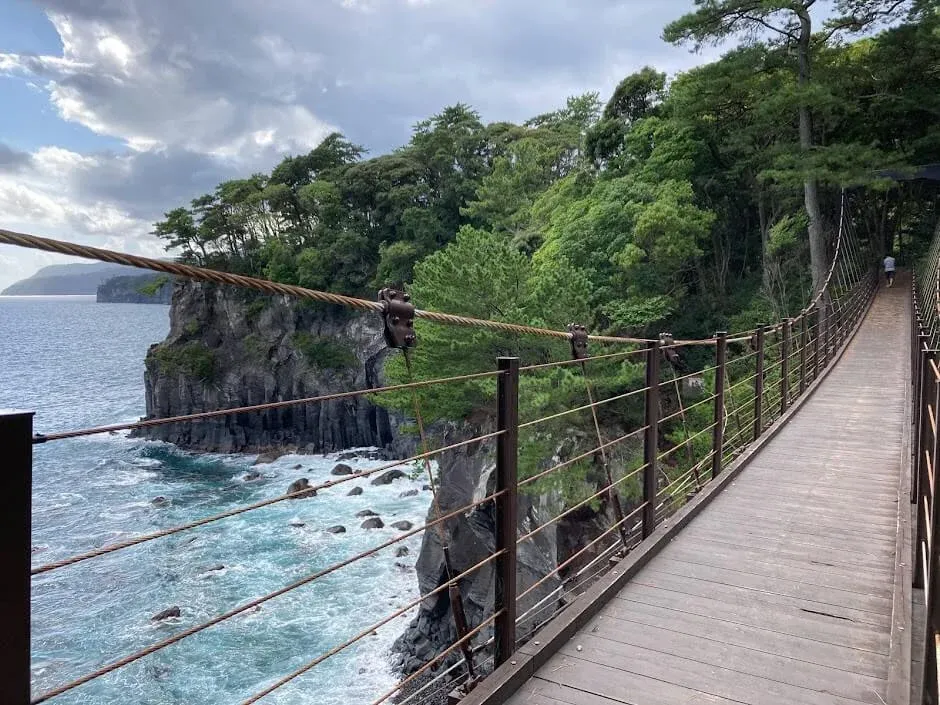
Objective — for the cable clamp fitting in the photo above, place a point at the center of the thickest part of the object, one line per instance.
(399, 316)
(579, 341)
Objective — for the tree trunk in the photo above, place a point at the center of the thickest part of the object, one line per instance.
(817, 240)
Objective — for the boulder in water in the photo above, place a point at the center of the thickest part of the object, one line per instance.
(425, 488)
(372, 523)
(401, 551)
(298, 486)
(298, 466)
(166, 614)
(268, 457)
(354, 491)
(402, 525)
(409, 493)
(387, 478)
(366, 513)
(341, 469)
(298, 524)
(160, 501)
(338, 529)
(252, 475)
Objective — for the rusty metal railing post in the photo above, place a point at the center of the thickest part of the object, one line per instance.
(759, 385)
(718, 432)
(507, 482)
(929, 507)
(784, 364)
(804, 342)
(921, 342)
(651, 437)
(16, 482)
(923, 444)
(817, 344)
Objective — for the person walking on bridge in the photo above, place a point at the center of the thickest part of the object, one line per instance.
(889, 269)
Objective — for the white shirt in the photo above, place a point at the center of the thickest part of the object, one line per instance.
(889, 264)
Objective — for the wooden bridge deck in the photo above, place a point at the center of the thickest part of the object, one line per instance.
(780, 590)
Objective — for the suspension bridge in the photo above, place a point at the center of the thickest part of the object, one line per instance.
(780, 549)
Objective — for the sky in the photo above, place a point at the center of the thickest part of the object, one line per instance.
(113, 112)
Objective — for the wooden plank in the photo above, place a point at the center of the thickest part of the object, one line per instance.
(540, 691)
(754, 662)
(796, 527)
(712, 679)
(783, 619)
(790, 549)
(741, 596)
(796, 647)
(619, 685)
(780, 533)
(750, 515)
(884, 512)
(837, 518)
(757, 563)
(774, 585)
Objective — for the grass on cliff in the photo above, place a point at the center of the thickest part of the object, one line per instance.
(152, 288)
(325, 353)
(192, 359)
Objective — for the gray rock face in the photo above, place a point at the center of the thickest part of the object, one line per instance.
(387, 478)
(298, 487)
(166, 614)
(467, 475)
(229, 348)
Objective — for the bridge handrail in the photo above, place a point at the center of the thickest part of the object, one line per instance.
(746, 389)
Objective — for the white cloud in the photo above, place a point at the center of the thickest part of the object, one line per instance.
(203, 91)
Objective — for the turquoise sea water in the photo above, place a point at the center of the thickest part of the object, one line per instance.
(78, 363)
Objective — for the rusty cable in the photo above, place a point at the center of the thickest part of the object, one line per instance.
(582, 456)
(576, 409)
(306, 580)
(307, 491)
(612, 495)
(572, 557)
(437, 658)
(565, 363)
(456, 599)
(366, 632)
(187, 271)
(674, 414)
(42, 438)
(580, 504)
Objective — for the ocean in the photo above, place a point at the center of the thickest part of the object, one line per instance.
(78, 363)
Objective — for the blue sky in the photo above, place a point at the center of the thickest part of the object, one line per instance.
(115, 111)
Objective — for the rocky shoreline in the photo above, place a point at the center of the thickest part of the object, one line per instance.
(227, 349)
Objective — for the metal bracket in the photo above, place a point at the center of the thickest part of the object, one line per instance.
(670, 355)
(579, 341)
(399, 316)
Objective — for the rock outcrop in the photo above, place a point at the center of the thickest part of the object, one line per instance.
(467, 475)
(228, 348)
(136, 289)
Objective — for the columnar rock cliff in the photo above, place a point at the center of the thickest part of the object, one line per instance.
(227, 348)
(230, 348)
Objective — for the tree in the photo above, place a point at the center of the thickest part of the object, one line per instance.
(788, 24)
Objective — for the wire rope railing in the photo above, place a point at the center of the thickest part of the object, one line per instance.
(694, 422)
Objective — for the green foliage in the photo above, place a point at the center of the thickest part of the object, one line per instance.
(190, 359)
(326, 353)
(152, 288)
